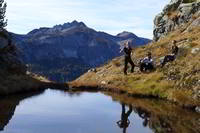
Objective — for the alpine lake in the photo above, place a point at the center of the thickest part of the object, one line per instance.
(53, 111)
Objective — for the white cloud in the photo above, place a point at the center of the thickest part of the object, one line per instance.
(109, 16)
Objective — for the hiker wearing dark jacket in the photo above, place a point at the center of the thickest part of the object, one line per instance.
(146, 63)
(170, 57)
(127, 51)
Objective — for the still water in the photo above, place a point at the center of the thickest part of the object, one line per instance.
(61, 112)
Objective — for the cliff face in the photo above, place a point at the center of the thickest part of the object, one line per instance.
(66, 51)
(174, 15)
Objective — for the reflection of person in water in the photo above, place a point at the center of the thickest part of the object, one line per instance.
(144, 115)
(124, 122)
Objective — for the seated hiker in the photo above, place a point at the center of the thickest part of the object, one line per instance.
(146, 63)
(170, 57)
(127, 50)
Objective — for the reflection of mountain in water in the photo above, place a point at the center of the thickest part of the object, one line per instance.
(8, 106)
(160, 116)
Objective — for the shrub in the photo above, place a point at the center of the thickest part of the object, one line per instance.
(3, 22)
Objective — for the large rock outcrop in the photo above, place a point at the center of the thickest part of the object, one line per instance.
(175, 14)
(9, 60)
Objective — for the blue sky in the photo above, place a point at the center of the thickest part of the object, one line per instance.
(111, 16)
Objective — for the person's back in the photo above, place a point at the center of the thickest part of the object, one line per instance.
(174, 49)
(128, 50)
(147, 60)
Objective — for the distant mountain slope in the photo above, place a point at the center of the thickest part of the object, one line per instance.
(66, 51)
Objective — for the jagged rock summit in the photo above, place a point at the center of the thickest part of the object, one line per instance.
(61, 28)
(175, 14)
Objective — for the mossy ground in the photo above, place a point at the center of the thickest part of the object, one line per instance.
(178, 81)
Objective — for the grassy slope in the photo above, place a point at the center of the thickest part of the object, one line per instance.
(178, 81)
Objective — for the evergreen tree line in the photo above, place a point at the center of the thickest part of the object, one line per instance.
(3, 21)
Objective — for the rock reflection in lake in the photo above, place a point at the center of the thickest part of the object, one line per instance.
(64, 112)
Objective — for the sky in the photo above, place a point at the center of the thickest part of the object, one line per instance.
(111, 16)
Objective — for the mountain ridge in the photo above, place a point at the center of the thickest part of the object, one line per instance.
(88, 47)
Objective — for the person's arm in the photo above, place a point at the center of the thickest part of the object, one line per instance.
(145, 60)
(150, 61)
(121, 49)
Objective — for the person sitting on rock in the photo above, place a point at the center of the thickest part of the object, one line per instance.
(146, 63)
(127, 50)
(170, 57)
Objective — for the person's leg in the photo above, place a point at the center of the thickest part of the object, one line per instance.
(142, 67)
(125, 65)
(171, 58)
(150, 67)
(164, 61)
(168, 58)
(132, 65)
(146, 67)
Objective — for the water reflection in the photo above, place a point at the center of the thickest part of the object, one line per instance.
(8, 106)
(156, 123)
(161, 116)
(91, 112)
(144, 115)
(124, 122)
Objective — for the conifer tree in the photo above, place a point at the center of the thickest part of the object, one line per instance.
(3, 22)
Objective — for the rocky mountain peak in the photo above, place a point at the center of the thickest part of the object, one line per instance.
(126, 35)
(57, 28)
(70, 25)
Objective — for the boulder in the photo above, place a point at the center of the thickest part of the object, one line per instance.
(197, 109)
(195, 23)
(195, 50)
(103, 83)
(172, 6)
